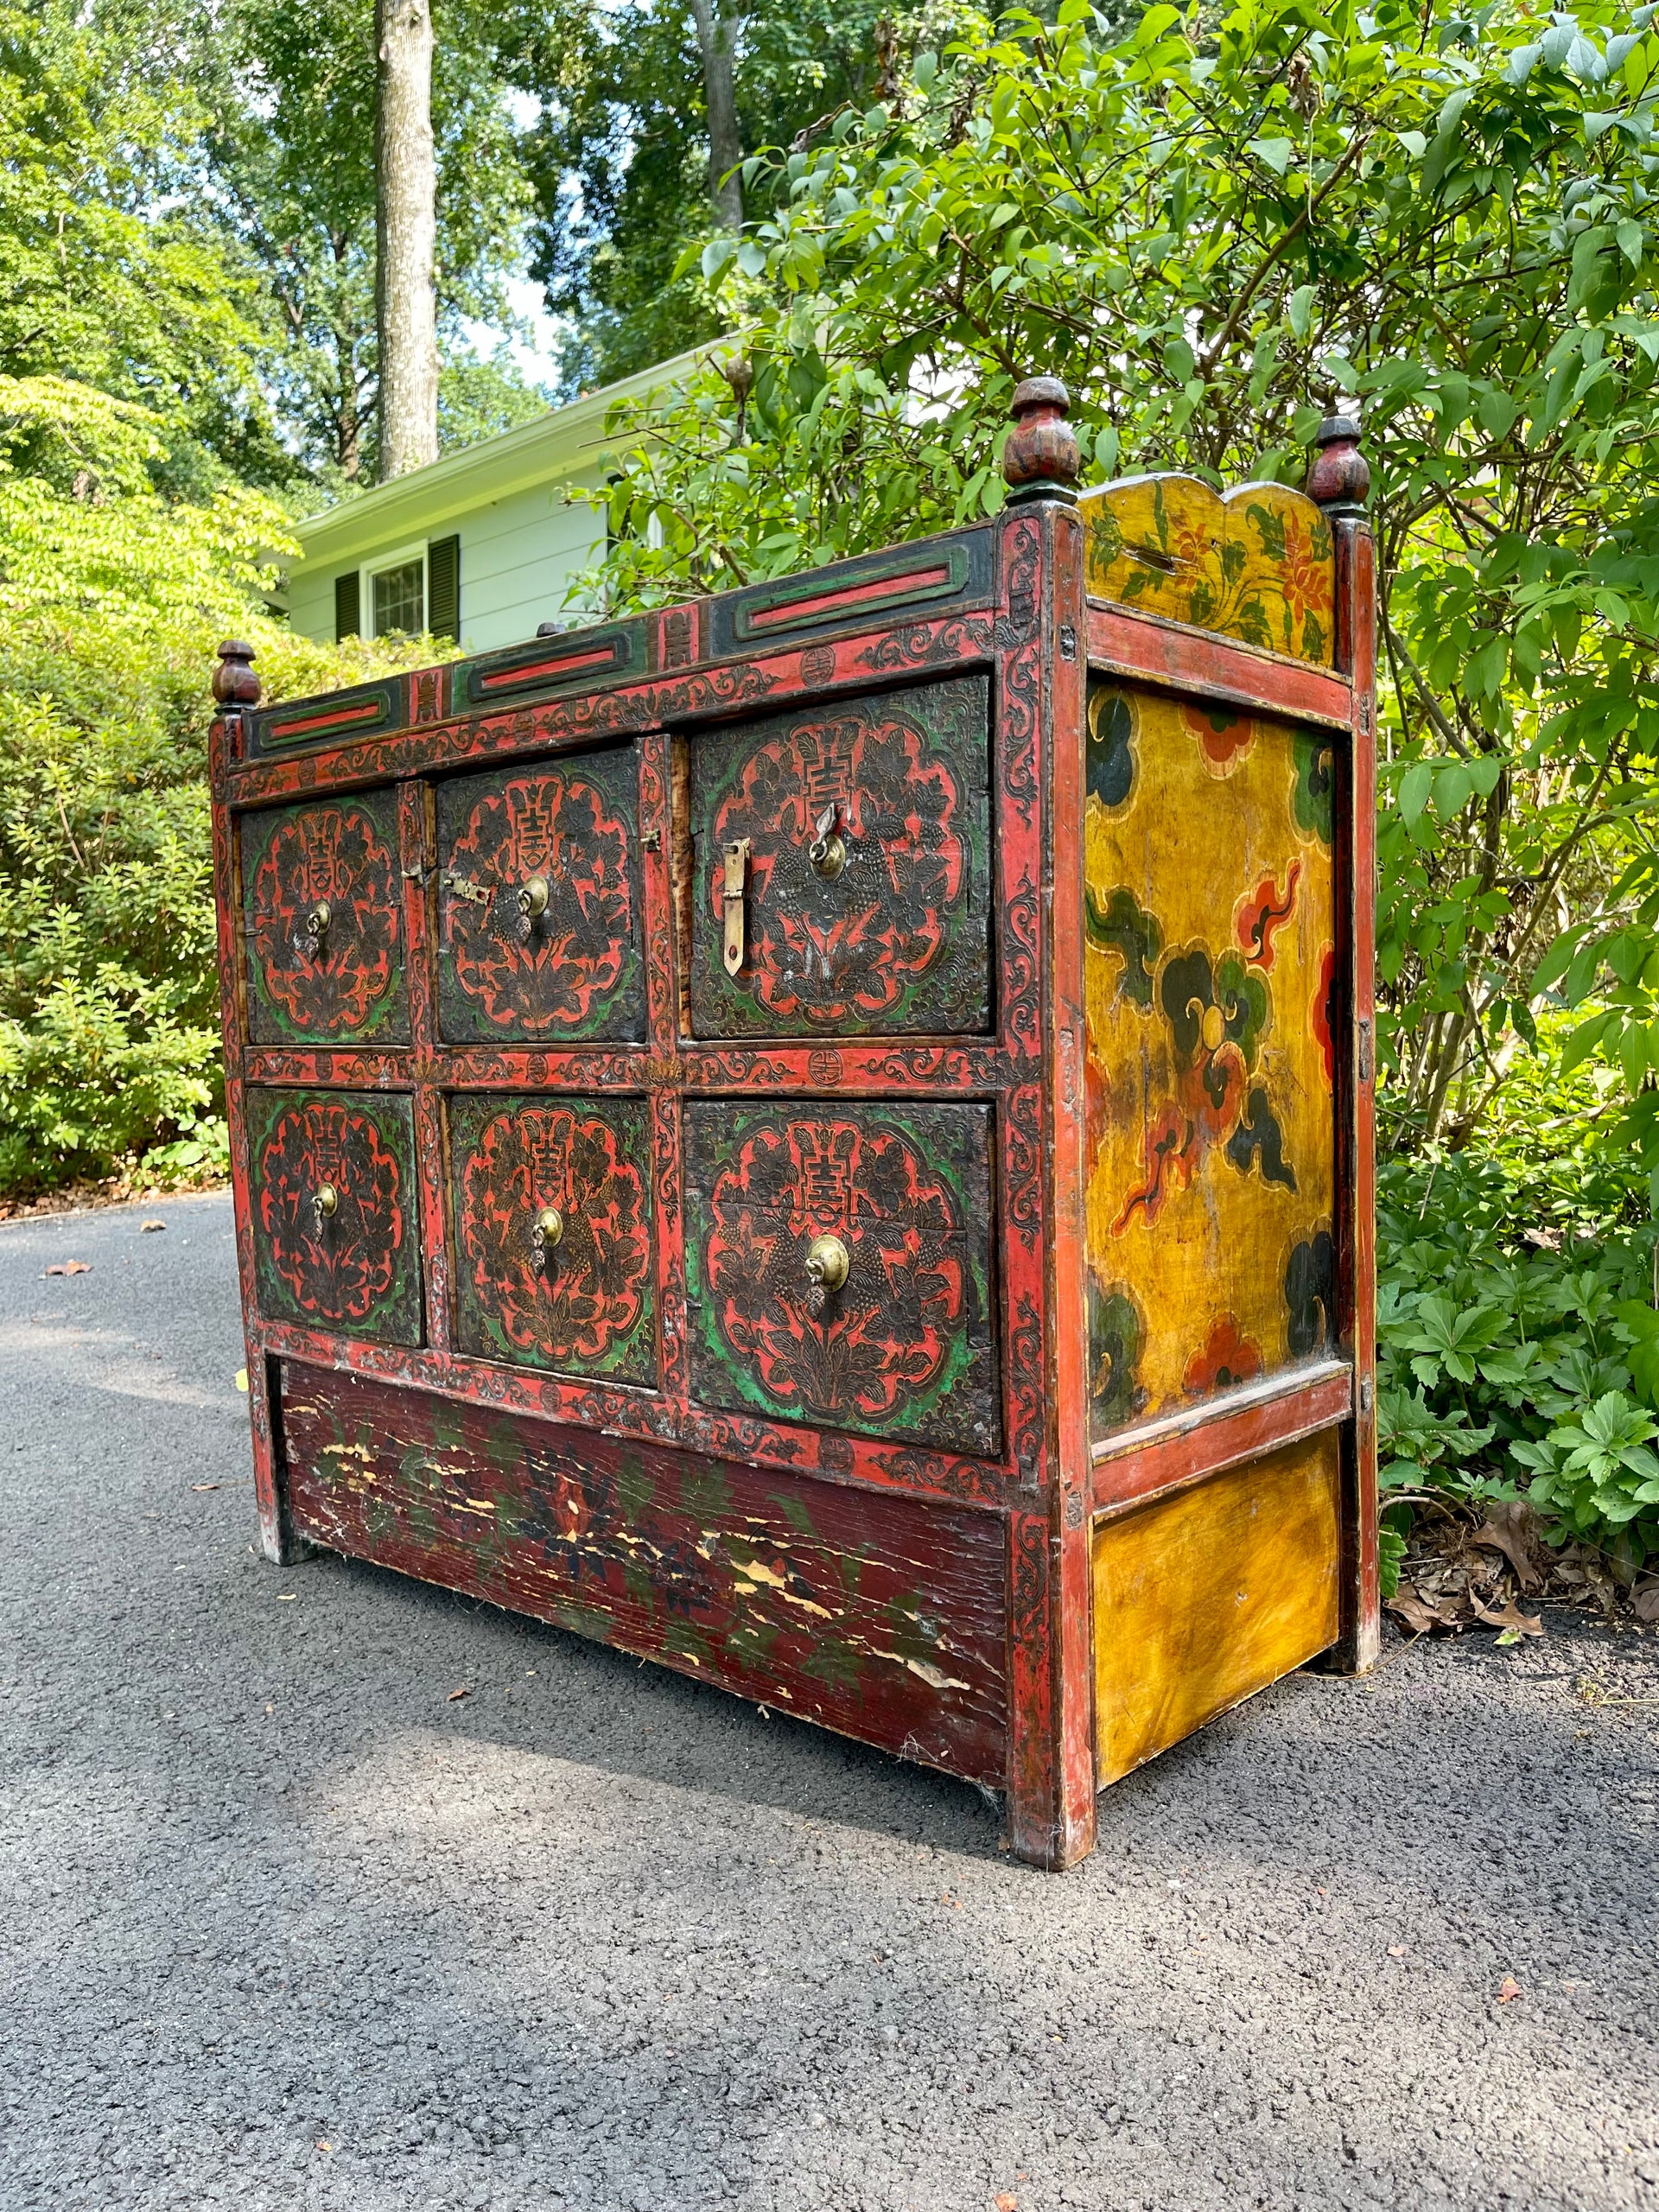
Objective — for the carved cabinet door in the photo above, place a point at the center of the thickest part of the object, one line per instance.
(554, 1266)
(336, 1229)
(539, 916)
(838, 1267)
(322, 899)
(841, 868)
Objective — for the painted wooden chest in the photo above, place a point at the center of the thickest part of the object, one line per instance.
(823, 1135)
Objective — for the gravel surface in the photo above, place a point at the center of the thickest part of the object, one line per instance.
(287, 1926)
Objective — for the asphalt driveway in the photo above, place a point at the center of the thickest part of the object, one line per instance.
(287, 1925)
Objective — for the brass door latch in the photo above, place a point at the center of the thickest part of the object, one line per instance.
(324, 1204)
(532, 905)
(827, 852)
(546, 1234)
(477, 894)
(736, 855)
(308, 943)
(828, 1264)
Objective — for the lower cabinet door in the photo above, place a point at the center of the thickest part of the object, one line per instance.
(336, 1221)
(552, 1213)
(838, 1267)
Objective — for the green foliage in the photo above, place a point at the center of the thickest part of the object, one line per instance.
(618, 159)
(113, 596)
(1516, 1338)
(111, 267)
(1207, 226)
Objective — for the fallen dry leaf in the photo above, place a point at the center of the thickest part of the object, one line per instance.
(1507, 1528)
(1508, 1989)
(287, 1597)
(464, 1691)
(1511, 1620)
(70, 1268)
(1006, 2202)
(1397, 1950)
(148, 1228)
(242, 1379)
(204, 1485)
(1646, 1603)
(1418, 1617)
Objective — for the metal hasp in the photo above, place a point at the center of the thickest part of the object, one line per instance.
(737, 868)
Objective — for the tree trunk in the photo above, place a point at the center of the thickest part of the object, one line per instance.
(717, 37)
(405, 237)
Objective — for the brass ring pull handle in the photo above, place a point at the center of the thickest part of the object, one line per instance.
(308, 943)
(827, 852)
(324, 1204)
(828, 1263)
(532, 905)
(547, 1233)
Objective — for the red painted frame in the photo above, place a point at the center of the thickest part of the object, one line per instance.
(1038, 638)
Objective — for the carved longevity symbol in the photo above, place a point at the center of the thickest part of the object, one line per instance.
(322, 921)
(332, 1208)
(863, 866)
(541, 919)
(553, 1229)
(836, 1267)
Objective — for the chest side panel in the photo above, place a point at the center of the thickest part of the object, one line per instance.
(539, 908)
(865, 867)
(871, 1614)
(552, 1214)
(322, 898)
(336, 1231)
(906, 1344)
(1210, 978)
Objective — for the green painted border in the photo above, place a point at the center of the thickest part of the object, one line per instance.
(390, 1018)
(925, 1126)
(396, 1319)
(633, 1360)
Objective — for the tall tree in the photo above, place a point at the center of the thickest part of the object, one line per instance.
(632, 138)
(406, 236)
(716, 43)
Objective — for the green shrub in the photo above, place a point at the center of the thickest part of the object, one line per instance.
(1518, 1345)
(112, 601)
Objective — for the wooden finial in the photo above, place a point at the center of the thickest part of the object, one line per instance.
(1040, 461)
(235, 684)
(1340, 476)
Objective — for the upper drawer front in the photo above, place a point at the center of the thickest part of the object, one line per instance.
(323, 893)
(539, 902)
(552, 1213)
(864, 862)
(336, 1226)
(838, 1267)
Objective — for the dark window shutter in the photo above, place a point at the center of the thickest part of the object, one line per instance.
(443, 589)
(348, 618)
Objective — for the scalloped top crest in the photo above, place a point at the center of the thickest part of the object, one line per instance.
(1256, 563)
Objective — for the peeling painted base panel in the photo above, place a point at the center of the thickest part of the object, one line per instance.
(881, 1616)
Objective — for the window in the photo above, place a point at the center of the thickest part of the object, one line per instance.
(399, 596)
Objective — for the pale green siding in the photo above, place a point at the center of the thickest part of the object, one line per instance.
(518, 556)
(522, 539)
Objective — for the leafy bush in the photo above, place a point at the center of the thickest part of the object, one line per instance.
(112, 601)
(1518, 1340)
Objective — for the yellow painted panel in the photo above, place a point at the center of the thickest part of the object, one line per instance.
(1205, 1598)
(1256, 564)
(1208, 975)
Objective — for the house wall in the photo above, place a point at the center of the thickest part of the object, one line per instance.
(519, 554)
